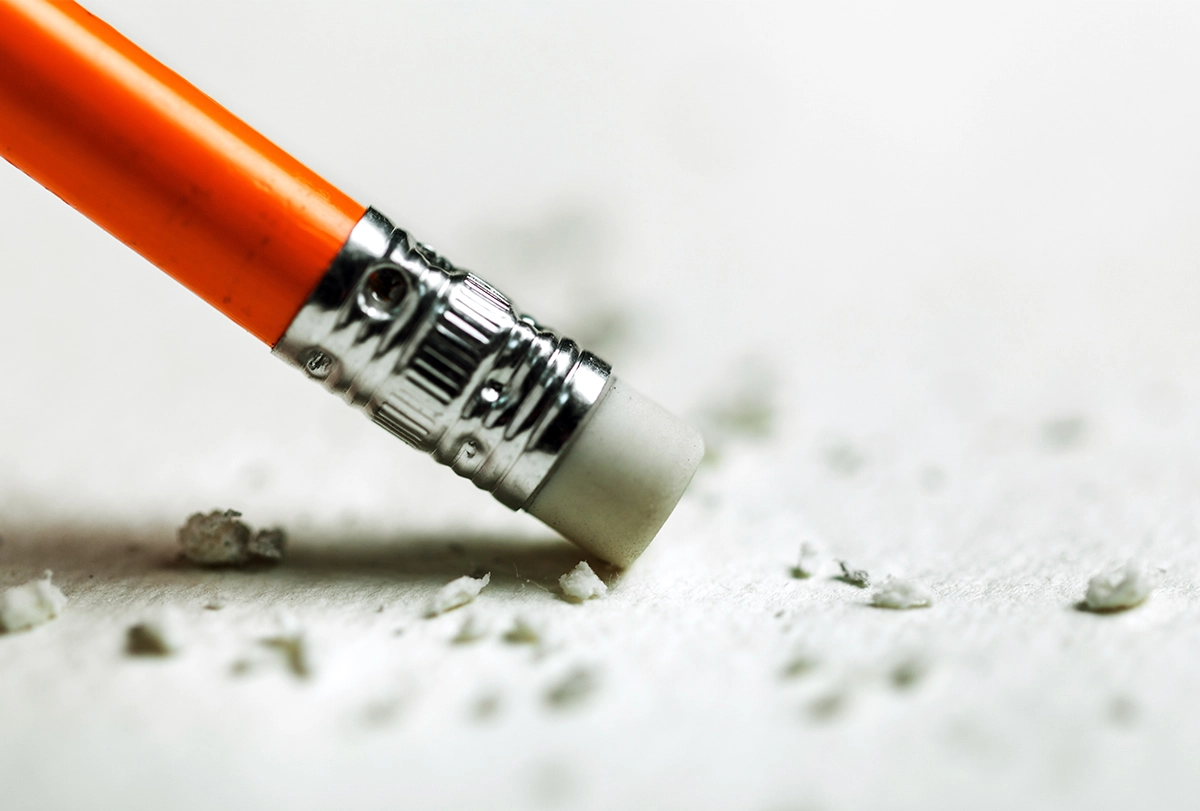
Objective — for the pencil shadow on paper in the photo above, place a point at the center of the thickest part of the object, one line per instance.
(440, 557)
(148, 557)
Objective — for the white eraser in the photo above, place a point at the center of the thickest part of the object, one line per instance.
(620, 478)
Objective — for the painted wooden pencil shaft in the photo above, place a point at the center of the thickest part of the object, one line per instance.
(432, 353)
(162, 167)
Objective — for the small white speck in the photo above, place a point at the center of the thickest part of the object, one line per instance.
(1121, 587)
(896, 593)
(807, 563)
(457, 593)
(30, 604)
(155, 637)
(218, 538)
(581, 583)
(267, 544)
(522, 632)
(854, 577)
(473, 629)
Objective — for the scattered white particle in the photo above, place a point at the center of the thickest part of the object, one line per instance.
(220, 539)
(215, 539)
(807, 564)
(30, 604)
(382, 711)
(457, 593)
(487, 706)
(855, 577)
(288, 645)
(581, 583)
(522, 632)
(267, 544)
(798, 666)
(843, 458)
(158, 637)
(573, 689)
(1121, 587)
(828, 706)
(1064, 433)
(1123, 711)
(294, 651)
(908, 672)
(899, 594)
(473, 629)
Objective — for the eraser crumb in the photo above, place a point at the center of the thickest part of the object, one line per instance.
(218, 538)
(806, 563)
(1119, 588)
(1123, 711)
(267, 544)
(581, 583)
(457, 593)
(472, 630)
(486, 706)
(1064, 433)
(382, 711)
(522, 633)
(573, 689)
(854, 577)
(908, 672)
(30, 604)
(797, 666)
(294, 651)
(828, 706)
(152, 638)
(215, 539)
(901, 594)
(843, 458)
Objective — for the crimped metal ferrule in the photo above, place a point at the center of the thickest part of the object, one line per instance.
(439, 358)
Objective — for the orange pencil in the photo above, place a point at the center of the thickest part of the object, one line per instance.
(431, 353)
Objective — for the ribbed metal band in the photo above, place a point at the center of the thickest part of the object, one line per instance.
(440, 359)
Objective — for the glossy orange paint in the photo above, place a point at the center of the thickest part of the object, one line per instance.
(162, 167)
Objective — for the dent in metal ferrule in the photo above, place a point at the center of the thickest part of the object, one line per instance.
(441, 359)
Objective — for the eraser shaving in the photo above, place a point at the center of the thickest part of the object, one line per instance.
(896, 593)
(456, 594)
(30, 604)
(220, 538)
(581, 584)
(1119, 588)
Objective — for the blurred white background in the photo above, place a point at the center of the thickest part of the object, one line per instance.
(926, 273)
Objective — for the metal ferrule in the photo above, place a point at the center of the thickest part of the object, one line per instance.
(439, 358)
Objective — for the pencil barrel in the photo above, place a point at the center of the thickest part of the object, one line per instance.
(162, 167)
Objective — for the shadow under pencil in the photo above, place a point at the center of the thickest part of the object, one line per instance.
(114, 555)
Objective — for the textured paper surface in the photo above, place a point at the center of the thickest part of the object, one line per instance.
(927, 277)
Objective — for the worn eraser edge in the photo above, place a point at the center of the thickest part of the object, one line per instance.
(621, 477)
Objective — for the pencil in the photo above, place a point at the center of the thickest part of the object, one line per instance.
(432, 354)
